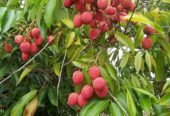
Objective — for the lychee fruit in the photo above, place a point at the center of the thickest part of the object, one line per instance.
(19, 39)
(35, 32)
(38, 41)
(77, 77)
(115, 19)
(111, 10)
(147, 43)
(50, 40)
(127, 4)
(77, 20)
(7, 48)
(25, 47)
(115, 3)
(72, 99)
(102, 93)
(102, 4)
(103, 27)
(120, 8)
(24, 56)
(34, 48)
(99, 15)
(68, 3)
(89, 1)
(80, 5)
(94, 34)
(149, 30)
(94, 72)
(81, 101)
(87, 91)
(99, 83)
(87, 17)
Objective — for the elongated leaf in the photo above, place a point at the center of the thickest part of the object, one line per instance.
(111, 71)
(139, 35)
(68, 22)
(138, 61)
(56, 68)
(125, 40)
(145, 102)
(3, 11)
(69, 39)
(115, 110)
(77, 52)
(124, 60)
(49, 12)
(167, 84)
(18, 108)
(166, 1)
(148, 60)
(12, 2)
(131, 104)
(165, 100)
(31, 107)
(52, 95)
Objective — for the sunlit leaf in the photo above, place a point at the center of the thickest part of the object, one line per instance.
(69, 39)
(138, 61)
(165, 100)
(115, 110)
(124, 60)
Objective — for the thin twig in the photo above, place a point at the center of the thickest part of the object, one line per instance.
(115, 99)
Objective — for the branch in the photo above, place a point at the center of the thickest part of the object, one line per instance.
(131, 17)
(115, 99)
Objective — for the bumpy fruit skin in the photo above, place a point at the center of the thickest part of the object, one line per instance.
(7, 48)
(87, 91)
(35, 32)
(147, 43)
(19, 39)
(149, 30)
(111, 10)
(25, 57)
(127, 4)
(103, 27)
(99, 83)
(25, 47)
(94, 72)
(94, 34)
(34, 48)
(89, 1)
(102, 93)
(38, 41)
(68, 3)
(99, 15)
(77, 77)
(115, 3)
(80, 5)
(81, 101)
(77, 20)
(72, 99)
(87, 17)
(102, 4)
(50, 40)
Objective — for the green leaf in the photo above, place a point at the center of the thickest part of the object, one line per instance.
(148, 60)
(165, 100)
(68, 22)
(125, 40)
(139, 36)
(18, 108)
(145, 103)
(111, 71)
(26, 71)
(52, 95)
(138, 61)
(2, 14)
(164, 43)
(12, 2)
(165, 114)
(124, 60)
(49, 12)
(70, 39)
(77, 53)
(131, 104)
(145, 92)
(166, 1)
(167, 84)
(56, 68)
(115, 110)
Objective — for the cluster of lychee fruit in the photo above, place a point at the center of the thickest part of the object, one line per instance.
(147, 42)
(98, 87)
(99, 14)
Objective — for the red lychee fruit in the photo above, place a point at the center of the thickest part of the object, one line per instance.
(115, 19)
(50, 40)
(99, 83)
(34, 48)
(102, 93)
(77, 20)
(80, 5)
(115, 3)
(68, 3)
(94, 72)
(19, 39)
(77, 77)
(121, 15)
(35, 32)
(111, 10)
(87, 17)
(127, 4)
(72, 99)
(38, 41)
(147, 43)
(120, 8)
(7, 48)
(94, 34)
(103, 27)
(102, 4)
(149, 30)
(25, 56)
(25, 47)
(89, 1)
(87, 91)
(81, 101)
(92, 24)
(99, 15)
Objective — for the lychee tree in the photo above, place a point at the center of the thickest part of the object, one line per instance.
(84, 57)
